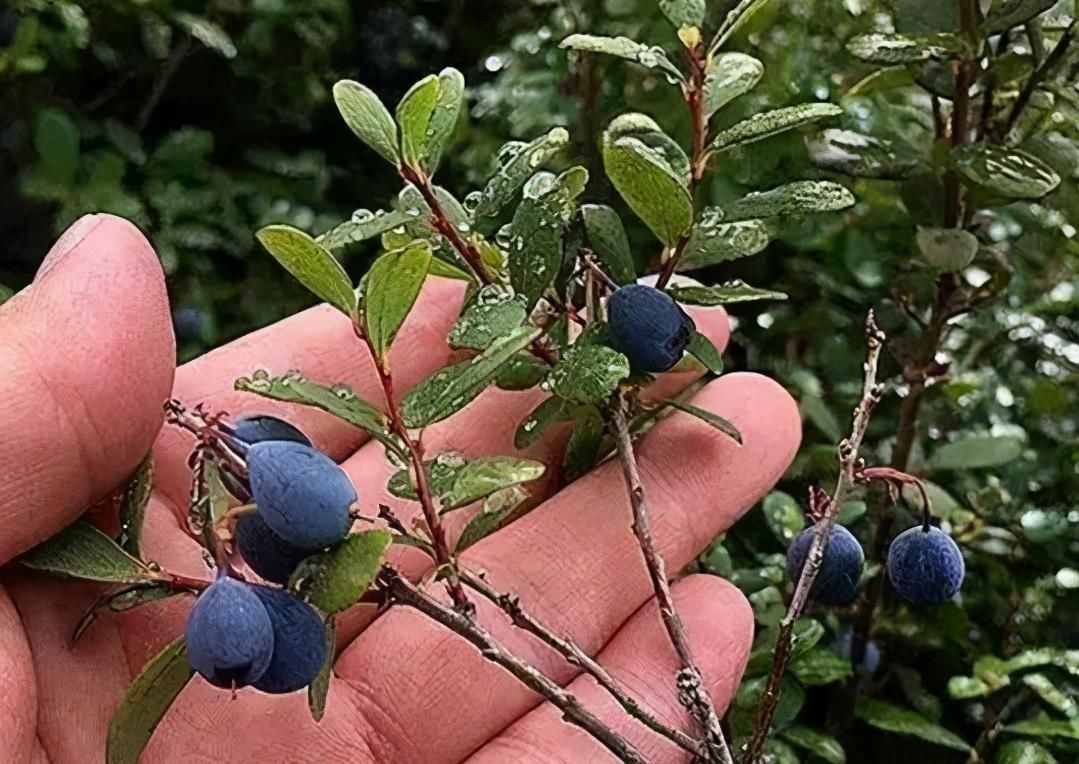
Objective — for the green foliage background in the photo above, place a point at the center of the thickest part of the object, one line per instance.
(206, 122)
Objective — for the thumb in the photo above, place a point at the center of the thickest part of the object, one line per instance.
(86, 361)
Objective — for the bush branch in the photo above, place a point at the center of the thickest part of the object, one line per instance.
(848, 463)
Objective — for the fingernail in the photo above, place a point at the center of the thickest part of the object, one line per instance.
(68, 240)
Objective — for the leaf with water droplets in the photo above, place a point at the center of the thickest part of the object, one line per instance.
(737, 18)
(715, 420)
(792, 199)
(334, 581)
(500, 509)
(320, 685)
(451, 389)
(482, 477)
(310, 264)
(338, 400)
(82, 551)
(722, 294)
(950, 249)
(701, 348)
(441, 474)
(608, 238)
(684, 12)
(647, 131)
(650, 186)
(890, 49)
(1006, 172)
(363, 227)
(136, 498)
(729, 75)
(714, 242)
(825, 747)
(861, 156)
(583, 447)
(649, 56)
(588, 373)
(491, 313)
(1012, 13)
(367, 117)
(522, 162)
(549, 411)
(451, 98)
(523, 372)
(390, 290)
(769, 123)
(147, 699)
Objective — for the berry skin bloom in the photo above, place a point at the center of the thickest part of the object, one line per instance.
(299, 645)
(301, 494)
(260, 428)
(264, 551)
(925, 567)
(648, 327)
(837, 580)
(230, 638)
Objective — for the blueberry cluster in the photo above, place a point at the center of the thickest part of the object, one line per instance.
(241, 634)
(648, 327)
(924, 565)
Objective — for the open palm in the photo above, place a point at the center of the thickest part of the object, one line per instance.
(86, 360)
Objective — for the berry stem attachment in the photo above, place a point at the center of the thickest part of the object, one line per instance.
(753, 751)
(690, 682)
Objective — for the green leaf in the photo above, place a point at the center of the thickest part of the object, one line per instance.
(441, 473)
(735, 20)
(367, 117)
(500, 510)
(821, 666)
(807, 634)
(684, 12)
(451, 389)
(334, 581)
(652, 57)
(522, 373)
(950, 249)
(82, 551)
(727, 293)
(902, 721)
(133, 505)
(708, 417)
(551, 410)
(816, 411)
(583, 447)
(366, 225)
(794, 198)
(783, 515)
(1012, 13)
(652, 188)
(588, 373)
(861, 156)
(122, 600)
(1045, 689)
(310, 264)
(338, 400)
(56, 139)
(608, 238)
(147, 699)
(729, 75)
(414, 114)
(320, 685)
(823, 746)
(647, 131)
(207, 32)
(492, 313)
(482, 477)
(770, 123)
(390, 290)
(451, 98)
(977, 452)
(713, 242)
(891, 49)
(1024, 752)
(1006, 172)
(701, 348)
(1046, 728)
(518, 163)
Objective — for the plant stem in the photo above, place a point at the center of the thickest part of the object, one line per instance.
(1039, 75)
(848, 460)
(575, 655)
(690, 683)
(407, 593)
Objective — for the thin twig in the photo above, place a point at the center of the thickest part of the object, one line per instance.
(575, 655)
(405, 592)
(848, 463)
(690, 683)
(1039, 75)
(168, 71)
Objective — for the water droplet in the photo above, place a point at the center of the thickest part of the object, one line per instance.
(472, 201)
(362, 216)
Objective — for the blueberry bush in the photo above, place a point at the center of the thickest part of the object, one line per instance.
(883, 196)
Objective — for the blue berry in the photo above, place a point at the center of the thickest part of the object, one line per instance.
(299, 646)
(837, 580)
(870, 653)
(264, 551)
(230, 637)
(259, 428)
(925, 567)
(301, 494)
(648, 327)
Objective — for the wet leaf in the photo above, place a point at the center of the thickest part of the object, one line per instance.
(861, 156)
(794, 198)
(551, 410)
(442, 471)
(310, 264)
(133, 505)
(1024, 752)
(82, 551)
(824, 746)
(320, 685)
(713, 242)
(729, 75)
(367, 117)
(390, 290)
(770, 123)
(1006, 172)
(414, 114)
(902, 721)
(724, 294)
(588, 373)
(362, 228)
(583, 447)
(652, 56)
(1046, 728)
(335, 580)
(1012, 13)
(123, 600)
(499, 511)
(492, 313)
(821, 666)
(523, 160)
(784, 517)
(608, 238)
(950, 249)
(684, 12)
(890, 49)
(487, 475)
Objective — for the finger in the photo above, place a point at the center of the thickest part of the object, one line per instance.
(719, 623)
(86, 359)
(576, 567)
(18, 690)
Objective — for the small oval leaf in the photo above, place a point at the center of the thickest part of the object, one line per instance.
(310, 264)
(367, 117)
(335, 580)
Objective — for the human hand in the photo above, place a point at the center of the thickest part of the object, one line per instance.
(86, 360)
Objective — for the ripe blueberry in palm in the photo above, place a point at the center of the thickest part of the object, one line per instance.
(259, 428)
(264, 551)
(648, 327)
(299, 643)
(301, 494)
(837, 580)
(925, 565)
(230, 638)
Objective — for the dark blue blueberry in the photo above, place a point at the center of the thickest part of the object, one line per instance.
(230, 637)
(870, 653)
(301, 494)
(265, 552)
(189, 324)
(925, 567)
(260, 428)
(648, 327)
(837, 579)
(299, 647)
